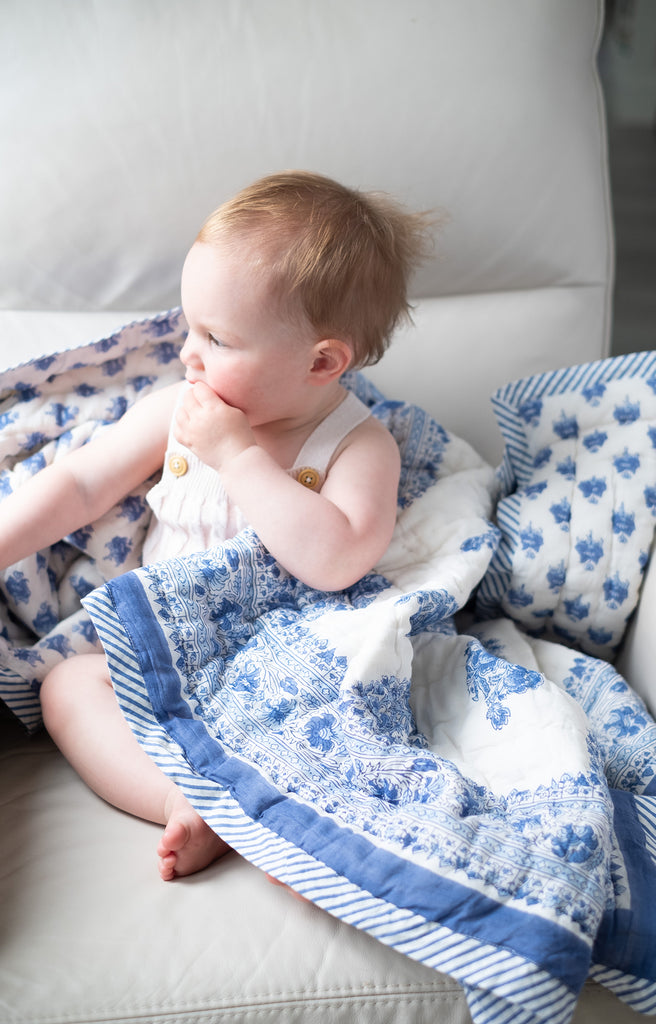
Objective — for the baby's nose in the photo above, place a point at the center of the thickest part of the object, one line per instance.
(189, 353)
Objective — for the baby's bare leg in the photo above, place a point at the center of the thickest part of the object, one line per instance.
(82, 715)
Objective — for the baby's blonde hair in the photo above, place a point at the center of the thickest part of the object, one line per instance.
(340, 257)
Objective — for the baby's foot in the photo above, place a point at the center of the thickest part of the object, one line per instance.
(188, 844)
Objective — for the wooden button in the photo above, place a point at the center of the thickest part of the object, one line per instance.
(308, 477)
(178, 465)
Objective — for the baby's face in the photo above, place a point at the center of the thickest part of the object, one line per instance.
(238, 342)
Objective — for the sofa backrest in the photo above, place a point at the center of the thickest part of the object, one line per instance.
(125, 123)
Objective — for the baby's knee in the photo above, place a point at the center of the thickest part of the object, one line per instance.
(55, 694)
(61, 692)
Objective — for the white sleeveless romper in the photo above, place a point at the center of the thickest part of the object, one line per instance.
(192, 510)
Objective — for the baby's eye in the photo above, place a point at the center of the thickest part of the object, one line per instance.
(214, 340)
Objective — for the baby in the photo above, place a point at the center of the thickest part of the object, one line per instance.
(289, 284)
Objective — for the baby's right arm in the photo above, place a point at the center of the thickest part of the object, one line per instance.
(78, 488)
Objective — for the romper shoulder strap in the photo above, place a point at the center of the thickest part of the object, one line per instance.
(314, 457)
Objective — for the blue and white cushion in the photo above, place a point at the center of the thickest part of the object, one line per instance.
(577, 518)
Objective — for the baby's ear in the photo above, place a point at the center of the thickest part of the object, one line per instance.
(331, 358)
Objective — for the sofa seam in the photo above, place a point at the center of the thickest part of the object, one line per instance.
(219, 1013)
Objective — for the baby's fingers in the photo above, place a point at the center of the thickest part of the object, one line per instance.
(194, 407)
(203, 394)
(181, 424)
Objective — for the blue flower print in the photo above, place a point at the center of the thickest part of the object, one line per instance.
(80, 585)
(61, 644)
(412, 427)
(132, 508)
(575, 844)
(519, 597)
(279, 711)
(578, 669)
(542, 458)
(6, 418)
(599, 637)
(432, 612)
(248, 678)
(556, 576)
(289, 685)
(141, 382)
(590, 551)
(34, 463)
(80, 538)
(5, 485)
(45, 362)
(118, 549)
(63, 414)
(28, 655)
(165, 353)
(576, 609)
(616, 591)
(45, 620)
(651, 434)
(530, 411)
(623, 524)
(493, 679)
(105, 344)
(650, 499)
(18, 587)
(567, 468)
(520, 679)
(384, 789)
(65, 439)
(651, 382)
(113, 366)
(531, 540)
(593, 442)
(624, 721)
(567, 427)
(593, 393)
(593, 488)
(627, 413)
(117, 407)
(86, 630)
(163, 324)
(532, 491)
(489, 539)
(385, 704)
(562, 513)
(627, 463)
(320, 732)
(86, 390)
(26, 392)
(34, 440)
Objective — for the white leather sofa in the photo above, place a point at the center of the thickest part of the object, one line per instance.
(123, 125)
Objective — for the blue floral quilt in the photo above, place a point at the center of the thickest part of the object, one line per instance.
(482, 801)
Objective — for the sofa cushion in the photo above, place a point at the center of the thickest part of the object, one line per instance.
(91, 935)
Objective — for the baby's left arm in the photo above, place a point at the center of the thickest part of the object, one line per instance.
(327, 539)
